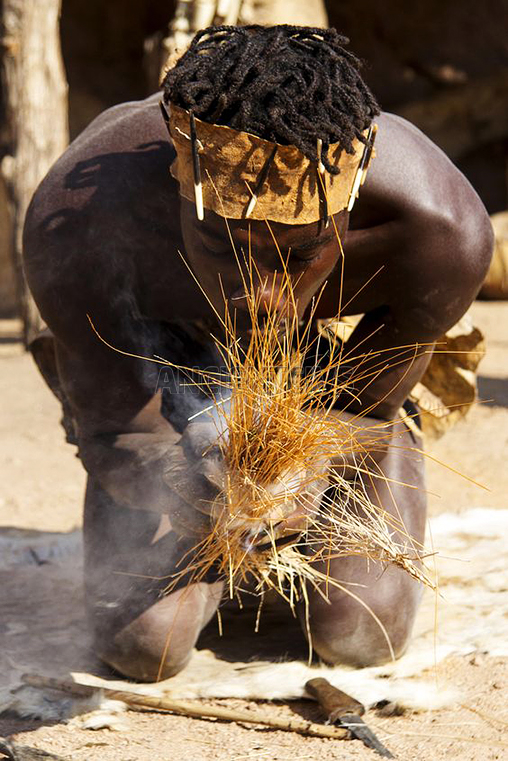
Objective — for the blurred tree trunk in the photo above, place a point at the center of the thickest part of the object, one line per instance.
(295, 12)
(192, 15)
(34, 95)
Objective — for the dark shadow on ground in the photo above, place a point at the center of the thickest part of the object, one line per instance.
(279, 635)
(43, 628)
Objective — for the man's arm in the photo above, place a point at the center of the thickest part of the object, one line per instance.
(101, 235)
(124, 440)
(422, 225)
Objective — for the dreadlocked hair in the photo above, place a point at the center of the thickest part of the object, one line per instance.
(291, 85)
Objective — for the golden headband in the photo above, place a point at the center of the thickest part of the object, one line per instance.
(238, 175)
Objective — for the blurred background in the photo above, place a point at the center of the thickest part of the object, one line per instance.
(442, 65)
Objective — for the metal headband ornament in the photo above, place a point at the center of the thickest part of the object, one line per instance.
(238, 175)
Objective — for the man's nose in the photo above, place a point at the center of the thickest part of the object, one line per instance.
(268, 300)
(269, 297)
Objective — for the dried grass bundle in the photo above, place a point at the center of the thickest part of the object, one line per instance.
(281, 513)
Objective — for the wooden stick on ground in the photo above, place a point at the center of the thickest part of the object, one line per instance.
(192, 708)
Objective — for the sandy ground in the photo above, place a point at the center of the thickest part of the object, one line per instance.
(41, 487)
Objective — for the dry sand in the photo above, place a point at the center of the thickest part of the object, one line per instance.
(41, 487)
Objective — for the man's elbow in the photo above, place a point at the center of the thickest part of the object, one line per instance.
(469, 240)
(477, 243)
(459, 241)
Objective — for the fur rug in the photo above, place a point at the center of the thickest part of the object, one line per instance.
(45, 632)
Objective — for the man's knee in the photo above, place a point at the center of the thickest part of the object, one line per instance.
(368, 643)
(158, 643)
(142, 651)
(363, 634)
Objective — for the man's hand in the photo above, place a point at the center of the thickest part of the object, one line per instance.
(297, 496)
(195, 480)
(198, 477)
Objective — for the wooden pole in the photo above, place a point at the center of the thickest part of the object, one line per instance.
(192, 15)
(193, 708)
(34, 92)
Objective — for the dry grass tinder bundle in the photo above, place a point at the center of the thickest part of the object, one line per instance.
(281, 510)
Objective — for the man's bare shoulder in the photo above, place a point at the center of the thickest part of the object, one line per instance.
(123, 149)
(105, 214)
(411, 176)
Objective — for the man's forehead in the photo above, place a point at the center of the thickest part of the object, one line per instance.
(260, 233)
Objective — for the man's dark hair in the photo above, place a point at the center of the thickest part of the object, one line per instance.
(287, 84)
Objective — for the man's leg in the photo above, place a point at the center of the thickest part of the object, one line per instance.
(129, 556)
(344, 631)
